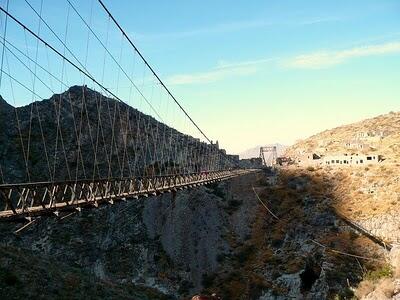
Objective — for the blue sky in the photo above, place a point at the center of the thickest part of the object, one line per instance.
(249, 73)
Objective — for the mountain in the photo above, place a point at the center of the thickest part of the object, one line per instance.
(366, 195)
(81, 133)
(379, 134)
(367, 190)
(255, 152)
(265, 235)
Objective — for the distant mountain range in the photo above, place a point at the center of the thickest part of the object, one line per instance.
(255, 152)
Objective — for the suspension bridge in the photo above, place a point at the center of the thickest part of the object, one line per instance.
(85, 119)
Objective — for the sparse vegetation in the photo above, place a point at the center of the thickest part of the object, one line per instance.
(379, 273)
(360, 193)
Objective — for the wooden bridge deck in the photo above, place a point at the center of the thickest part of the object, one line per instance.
(33, 199)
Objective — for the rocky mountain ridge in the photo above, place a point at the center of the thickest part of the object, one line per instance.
(83, 134)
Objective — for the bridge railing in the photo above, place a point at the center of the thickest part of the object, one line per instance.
(30, 199)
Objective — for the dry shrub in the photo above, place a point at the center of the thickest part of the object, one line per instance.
(364, 288)
(386, 286)
(396, 272)
(396, 267)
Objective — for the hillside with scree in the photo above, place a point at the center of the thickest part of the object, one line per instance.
(367, 193)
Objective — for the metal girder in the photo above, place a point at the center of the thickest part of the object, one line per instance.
(268, 149)
(32, 199)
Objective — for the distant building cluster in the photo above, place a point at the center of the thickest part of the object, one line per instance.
(364, 140)
(371, 133)
(355, 153)
(345, 159)
(356, 145)
(351, 159)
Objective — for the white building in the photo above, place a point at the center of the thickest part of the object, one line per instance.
(362, 134)
(356, 145)
(351, 159)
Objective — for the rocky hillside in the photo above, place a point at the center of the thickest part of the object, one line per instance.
(25, 274)
(368, 194)
(266, 235)
(365, 191)
(83, 134)
(384, 138)
(217, 239)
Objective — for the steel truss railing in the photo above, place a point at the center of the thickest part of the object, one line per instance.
(32, 199)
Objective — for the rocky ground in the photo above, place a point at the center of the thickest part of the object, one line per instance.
(368, 195)
(216, 239)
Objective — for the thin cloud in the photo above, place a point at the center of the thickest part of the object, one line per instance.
(216, 29)
(223, 70)
(227, 28)
(227, 65)
(325, 59)
(210, 76)
(318, 20)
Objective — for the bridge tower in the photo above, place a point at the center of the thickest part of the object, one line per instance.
(268, 155)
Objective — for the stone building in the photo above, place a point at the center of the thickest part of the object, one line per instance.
(371, 134)
(356, 145)
(307, 159)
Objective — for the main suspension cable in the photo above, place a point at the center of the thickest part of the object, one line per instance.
(156, 76)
